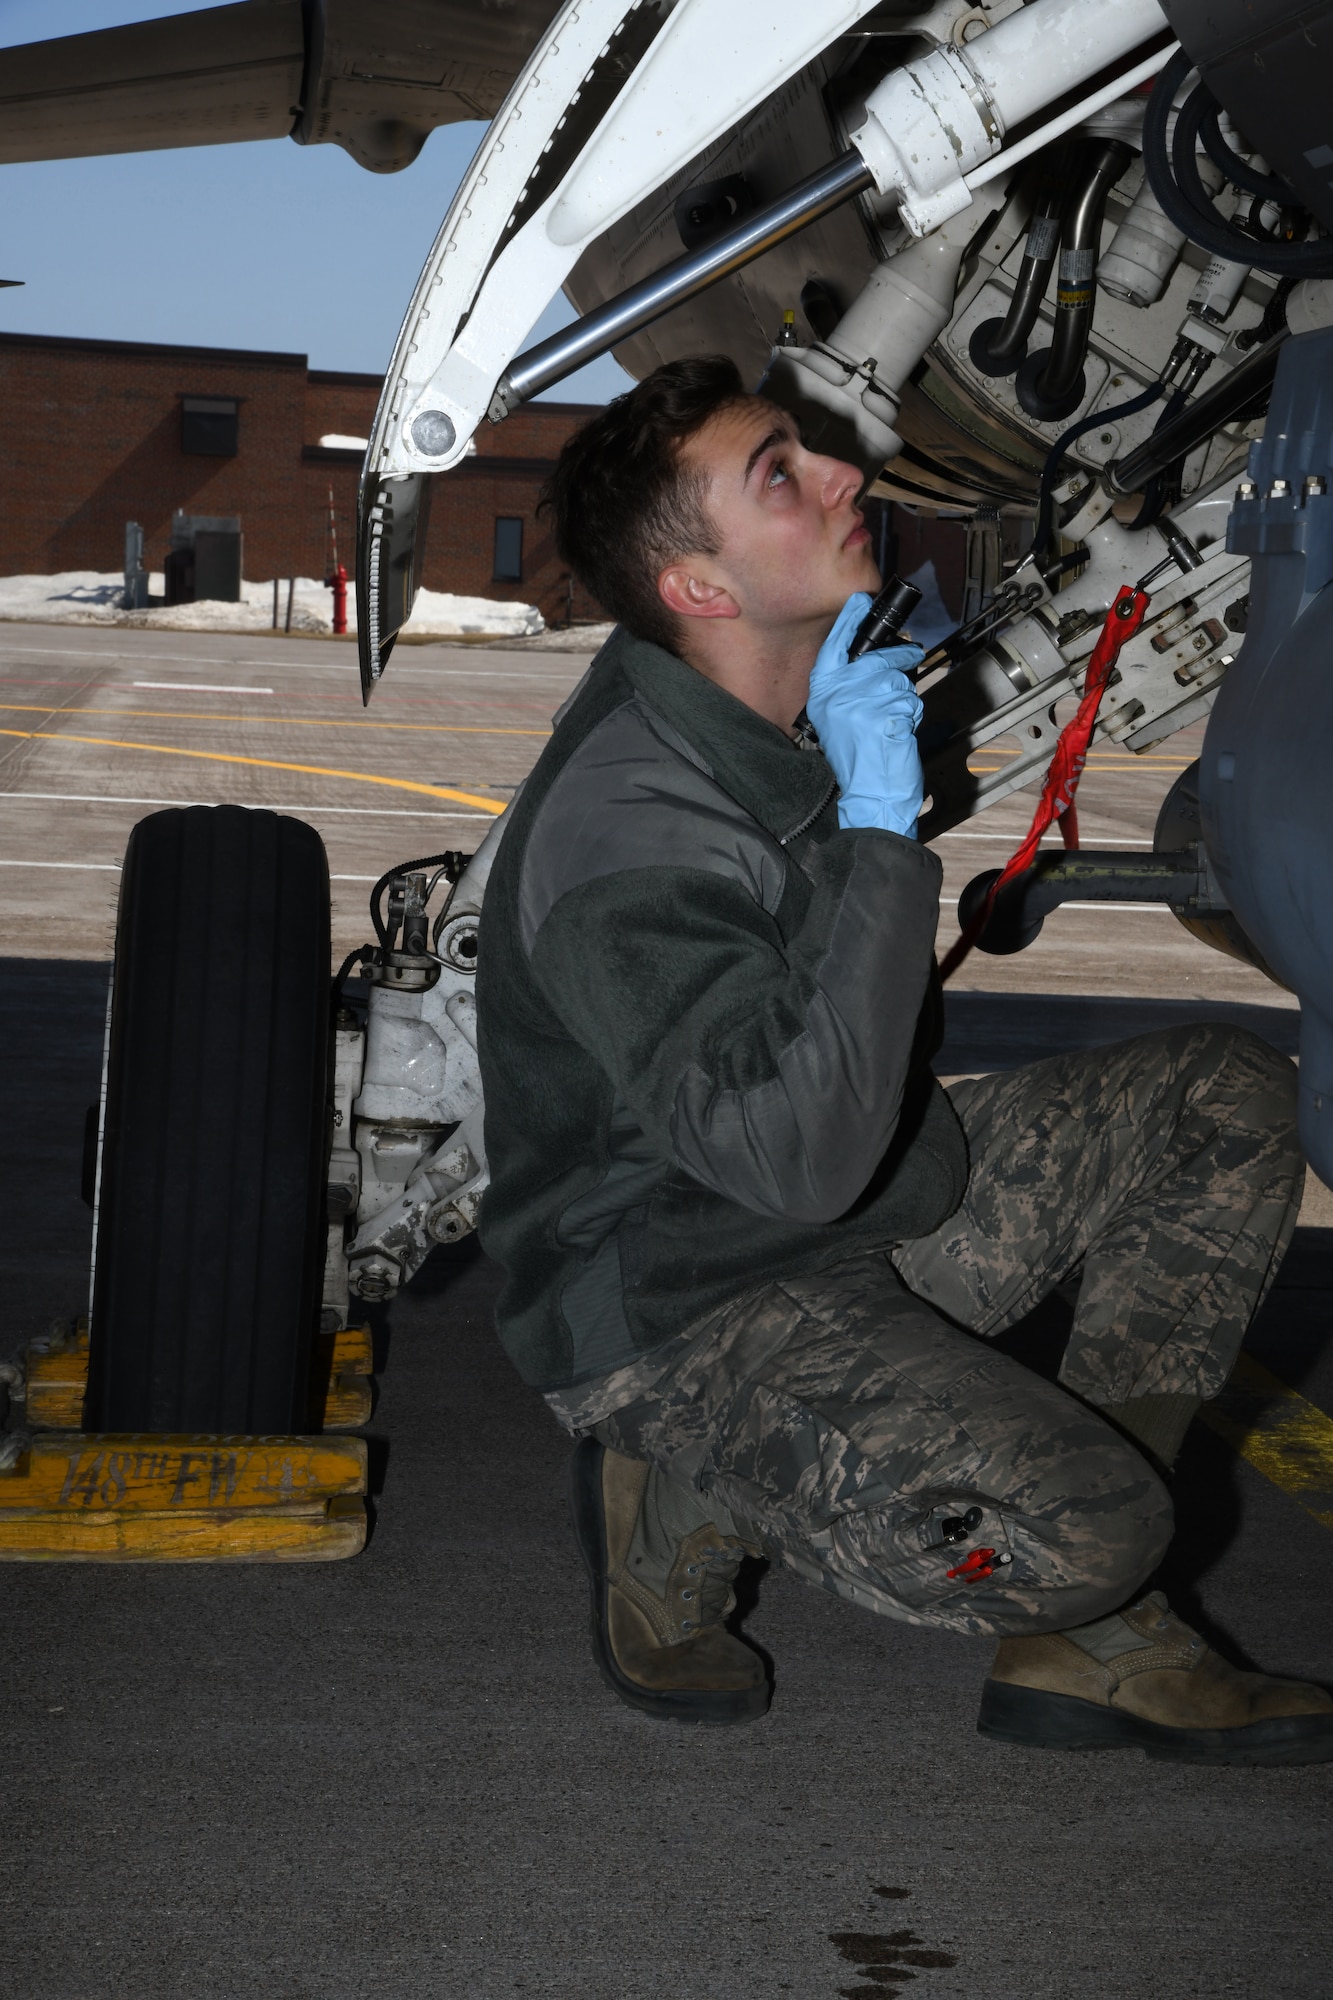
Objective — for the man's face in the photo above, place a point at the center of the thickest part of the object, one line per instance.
(793, 545)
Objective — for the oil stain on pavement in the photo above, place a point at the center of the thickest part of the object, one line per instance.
(885, 1959)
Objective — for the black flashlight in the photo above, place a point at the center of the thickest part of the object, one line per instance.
(887, 615)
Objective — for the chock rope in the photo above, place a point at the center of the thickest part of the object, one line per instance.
(1066, 766)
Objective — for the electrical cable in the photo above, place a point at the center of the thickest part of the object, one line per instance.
(1173, 175)
(1050, 471)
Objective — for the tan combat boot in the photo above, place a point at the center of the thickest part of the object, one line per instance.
(1143, 1680)
(661, 1574)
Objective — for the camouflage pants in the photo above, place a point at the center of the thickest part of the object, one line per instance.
(845, 1417)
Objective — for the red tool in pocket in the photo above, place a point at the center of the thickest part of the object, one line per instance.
(980, 1564)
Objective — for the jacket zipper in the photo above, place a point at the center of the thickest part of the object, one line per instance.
(785, 839)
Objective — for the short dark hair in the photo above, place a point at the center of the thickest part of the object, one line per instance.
(623, 504)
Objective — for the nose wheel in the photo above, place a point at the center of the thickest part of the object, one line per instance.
(210, 1179)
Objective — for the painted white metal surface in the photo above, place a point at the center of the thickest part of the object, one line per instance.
(409, 1160)
(932, 123)
(710, 65)
(641, 142)
(859, 371)
(928, 125)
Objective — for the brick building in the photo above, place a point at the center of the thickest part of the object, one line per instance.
(97, 433)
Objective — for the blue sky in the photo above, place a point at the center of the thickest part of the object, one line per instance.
(268, 245)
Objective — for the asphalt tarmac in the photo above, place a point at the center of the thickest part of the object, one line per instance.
(399, 1776)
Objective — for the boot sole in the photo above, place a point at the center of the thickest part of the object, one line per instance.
(716, 1710)
(1011, 1714)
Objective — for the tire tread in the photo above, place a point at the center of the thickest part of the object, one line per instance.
(211, 1213)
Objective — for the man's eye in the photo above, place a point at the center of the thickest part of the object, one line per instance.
(778, 475)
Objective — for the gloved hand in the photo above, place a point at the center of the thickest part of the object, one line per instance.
(865, 713)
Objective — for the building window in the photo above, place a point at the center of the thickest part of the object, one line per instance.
(209, 425)
(508, 550)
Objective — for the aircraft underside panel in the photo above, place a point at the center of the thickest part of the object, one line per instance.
(376, 80)
(967, 440)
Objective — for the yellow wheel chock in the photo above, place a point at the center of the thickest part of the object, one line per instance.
(74, 1496)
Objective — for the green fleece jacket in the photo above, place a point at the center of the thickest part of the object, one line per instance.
(705, 1021)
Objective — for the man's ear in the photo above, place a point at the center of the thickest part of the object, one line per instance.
(688, 595)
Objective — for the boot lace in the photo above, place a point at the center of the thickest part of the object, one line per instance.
(707, 1592)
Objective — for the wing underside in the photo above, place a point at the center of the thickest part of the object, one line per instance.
(374, 80)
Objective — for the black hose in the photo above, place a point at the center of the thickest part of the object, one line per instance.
(1185, 160)
(1188, 203)
(450, 861)
(1157, 494)
(353, 958)
(1238, 171)
(1051, 383)
(1273, 321)
(998, 345)
(1050, 471)
(1248, 381)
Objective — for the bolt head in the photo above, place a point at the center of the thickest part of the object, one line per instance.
(375, 1279)
(433, 433)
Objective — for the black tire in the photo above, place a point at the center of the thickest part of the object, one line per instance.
(210, 1225)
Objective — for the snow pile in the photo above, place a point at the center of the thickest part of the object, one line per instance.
(92, 597)
(439, 612)
(569, 639)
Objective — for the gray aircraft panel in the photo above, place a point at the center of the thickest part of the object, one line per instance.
(376, 81)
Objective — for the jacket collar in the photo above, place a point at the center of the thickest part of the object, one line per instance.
(779, 785)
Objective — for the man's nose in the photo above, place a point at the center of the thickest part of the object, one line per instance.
(841, 482)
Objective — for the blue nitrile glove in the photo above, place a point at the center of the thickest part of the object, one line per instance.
(865, 713)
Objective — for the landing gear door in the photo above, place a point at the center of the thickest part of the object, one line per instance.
(392, 517)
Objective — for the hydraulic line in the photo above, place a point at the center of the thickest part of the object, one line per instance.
(1050, 384)
(998, 346)
(1174, 175)
(1157, 494)
(452, 863)
(1050, 472)
(1248, 381)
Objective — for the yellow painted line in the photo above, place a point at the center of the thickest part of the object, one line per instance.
(263, 764)
(270, 721)
(1173, 758)
(1277, 1432)
(1134, 764)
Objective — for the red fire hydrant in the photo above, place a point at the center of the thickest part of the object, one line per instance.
(337, 583)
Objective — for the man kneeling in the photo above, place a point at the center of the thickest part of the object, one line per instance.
(753, 1250)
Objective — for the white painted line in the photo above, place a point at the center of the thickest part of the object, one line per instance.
(1016, 836)
(197, 687)
(354, 878)
(431, 670)
(113, 866)
(951, 903)
(302, 805)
